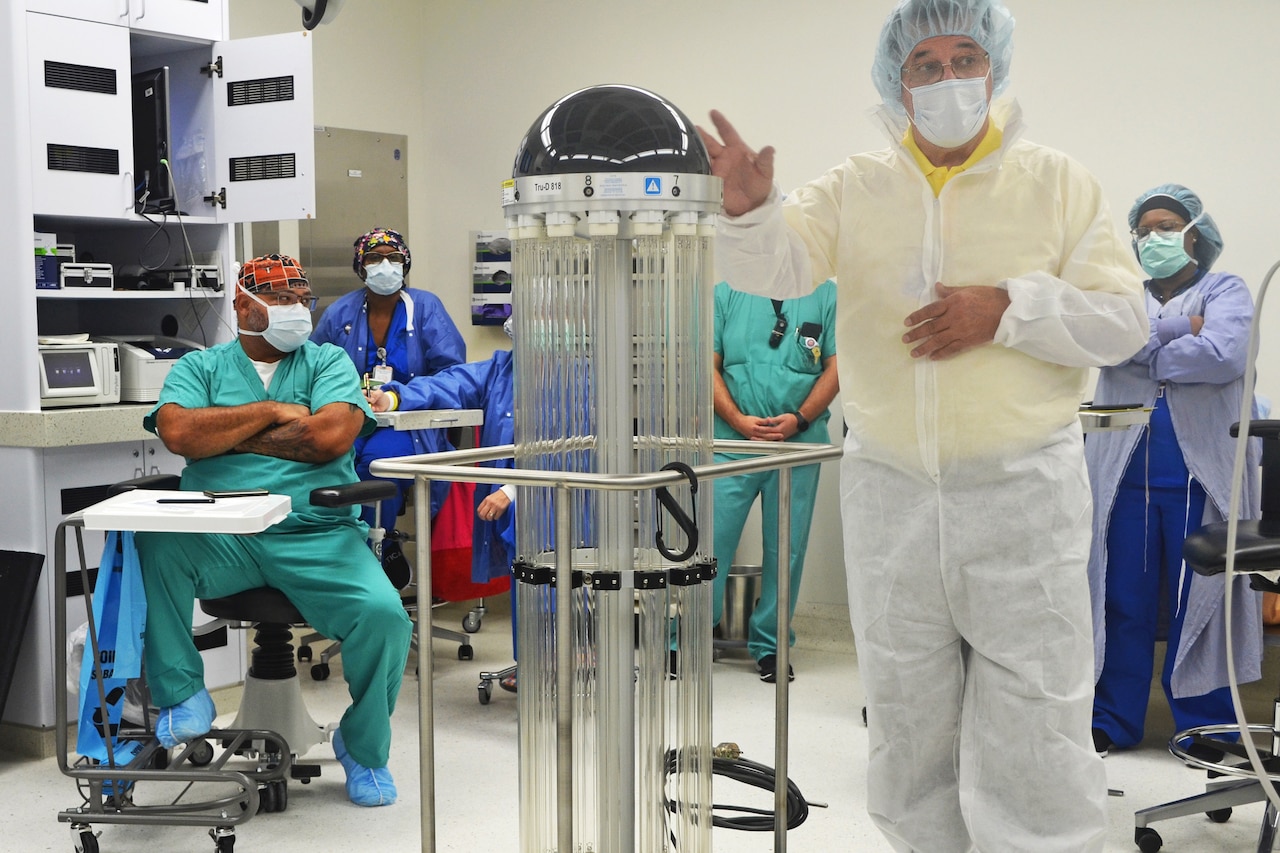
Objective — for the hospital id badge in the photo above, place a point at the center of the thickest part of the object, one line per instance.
(382, 374)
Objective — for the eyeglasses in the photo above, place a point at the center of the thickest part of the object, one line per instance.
(372, 259)
(288, 297)
(1168, 226)
(967, 65)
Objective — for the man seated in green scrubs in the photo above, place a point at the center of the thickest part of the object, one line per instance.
(273, 410)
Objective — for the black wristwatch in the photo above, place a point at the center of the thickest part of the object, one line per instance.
(801, 423)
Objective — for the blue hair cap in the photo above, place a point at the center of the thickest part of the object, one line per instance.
(987, 22)
(1209, 246)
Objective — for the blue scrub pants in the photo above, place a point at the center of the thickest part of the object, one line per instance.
(384, 443)
(328, 573)
(1144, 547)
(733, 499)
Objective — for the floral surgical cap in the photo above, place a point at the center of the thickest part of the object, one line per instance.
(380, 237)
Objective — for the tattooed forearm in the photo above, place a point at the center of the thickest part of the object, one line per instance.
(286, 441)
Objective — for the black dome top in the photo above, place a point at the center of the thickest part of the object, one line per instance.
(611, 128)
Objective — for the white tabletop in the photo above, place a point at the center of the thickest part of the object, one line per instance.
(143, 510)
(430, 418)
(1105, 420)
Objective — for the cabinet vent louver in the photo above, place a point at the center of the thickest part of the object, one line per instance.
(268, 167)
(82, 78)
(266, 90)
(80, 158)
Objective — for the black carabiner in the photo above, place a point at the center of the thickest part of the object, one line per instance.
(686, 524)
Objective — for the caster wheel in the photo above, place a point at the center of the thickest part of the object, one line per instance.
(304, 653)
(466, 653)
(486, 691)
(471, 623)
(1220, 815)
(225, 844)
(201, 753)
(864, 715)
(282, 794)
(1147, 839)
(319, 672)
(267, 799)
(88, 842)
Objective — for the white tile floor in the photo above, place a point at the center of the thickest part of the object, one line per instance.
(476, 792)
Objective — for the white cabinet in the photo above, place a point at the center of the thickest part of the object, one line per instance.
(202, 19)
(102, 11)
(241, 133)
(81, 132)
(199, 19)
(229, 124)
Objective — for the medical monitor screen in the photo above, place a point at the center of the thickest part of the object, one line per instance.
(153, 190)
(67, 370)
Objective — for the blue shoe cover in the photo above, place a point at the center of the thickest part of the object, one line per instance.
(190, 718)
(365, 787)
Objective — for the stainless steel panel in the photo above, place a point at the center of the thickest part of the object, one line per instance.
(361, 183)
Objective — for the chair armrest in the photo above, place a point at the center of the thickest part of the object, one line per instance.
(161, 482)
(363, 492)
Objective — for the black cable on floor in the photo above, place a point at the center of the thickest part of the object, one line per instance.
(757, 775)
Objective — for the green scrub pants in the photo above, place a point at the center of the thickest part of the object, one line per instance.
(328, 573)
(733, 499)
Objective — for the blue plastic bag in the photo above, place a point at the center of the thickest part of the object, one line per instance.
(119, 618)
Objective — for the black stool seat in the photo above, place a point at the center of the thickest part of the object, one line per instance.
(263, 604)
(1257, 548)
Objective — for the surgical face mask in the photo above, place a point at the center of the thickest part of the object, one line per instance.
(1164, 254)
(950, 112)
(288, 326)
(385, 278)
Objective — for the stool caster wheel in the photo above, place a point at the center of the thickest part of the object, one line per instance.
(466, 653)
(486, 692)
(320, 672)
(1220, 815)
(1147, 839)
(864, 715)
(85, 840)
(304, 653)
(201, 753)
(471, 622)
(224, 839)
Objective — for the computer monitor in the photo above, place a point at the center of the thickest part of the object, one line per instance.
(153, 189)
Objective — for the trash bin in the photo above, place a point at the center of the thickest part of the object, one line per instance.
(741, 593)
(19, 575)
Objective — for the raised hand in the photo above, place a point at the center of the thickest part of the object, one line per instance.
(747, 174)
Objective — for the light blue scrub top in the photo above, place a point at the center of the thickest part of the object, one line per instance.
(313, 376)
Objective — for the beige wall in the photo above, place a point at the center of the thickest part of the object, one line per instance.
(1141, 92)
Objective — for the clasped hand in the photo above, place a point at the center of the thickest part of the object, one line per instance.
(960, 319)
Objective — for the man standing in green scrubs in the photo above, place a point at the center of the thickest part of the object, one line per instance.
(273, 410)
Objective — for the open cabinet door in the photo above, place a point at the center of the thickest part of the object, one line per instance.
(264, 145)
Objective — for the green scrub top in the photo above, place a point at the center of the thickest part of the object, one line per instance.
(314, 376)
(764, 380)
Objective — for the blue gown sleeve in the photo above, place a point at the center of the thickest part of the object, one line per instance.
(461, 386)
(445, 344)
(1218, 354)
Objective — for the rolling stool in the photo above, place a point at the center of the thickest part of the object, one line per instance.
(1257, 550)
(272, 696)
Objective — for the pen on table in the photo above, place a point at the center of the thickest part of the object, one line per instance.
(184, 500)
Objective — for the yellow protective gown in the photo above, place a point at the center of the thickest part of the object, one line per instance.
(964, 495)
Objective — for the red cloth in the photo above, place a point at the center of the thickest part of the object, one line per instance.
(451, 549)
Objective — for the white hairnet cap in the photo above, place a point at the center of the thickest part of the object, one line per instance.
(1186, 204)
(987, 22)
